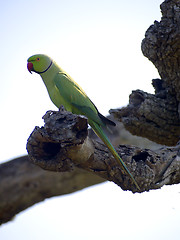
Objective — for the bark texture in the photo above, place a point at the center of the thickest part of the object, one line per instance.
(75, 160)
(156, 116)
(161, 46)
(63, 144)
(151, 116)
(23, 184)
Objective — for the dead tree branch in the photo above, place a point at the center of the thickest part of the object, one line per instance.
(157, 116)
(63, 144)
(23, 184)
(149, 115)
(64, 147)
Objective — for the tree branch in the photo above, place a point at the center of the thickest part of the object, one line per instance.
(23, 184)
(151, 116)
(64, 147)
(161, 46)
(63, 144)
(157, 116)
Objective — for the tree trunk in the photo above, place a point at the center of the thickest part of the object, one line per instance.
(156, 116)
(75, 160)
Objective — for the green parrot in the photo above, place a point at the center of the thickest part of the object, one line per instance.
(63, 90)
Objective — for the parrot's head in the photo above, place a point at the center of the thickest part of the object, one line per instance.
(39, 63)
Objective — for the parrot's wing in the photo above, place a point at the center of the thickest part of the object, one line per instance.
(76, 97)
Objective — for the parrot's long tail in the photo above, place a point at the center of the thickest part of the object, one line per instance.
(100, 133)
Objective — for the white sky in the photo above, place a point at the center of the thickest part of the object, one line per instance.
(98, 43)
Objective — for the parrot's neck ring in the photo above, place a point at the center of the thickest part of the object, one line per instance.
(45, 69)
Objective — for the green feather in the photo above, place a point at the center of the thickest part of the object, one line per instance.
(63, 90)
(100, 133)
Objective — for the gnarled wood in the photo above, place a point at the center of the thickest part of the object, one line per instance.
(157, 116)
(151, 116)
(56, 148)
(23, 184)
(64, 146)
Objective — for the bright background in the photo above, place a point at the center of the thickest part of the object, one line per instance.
(98, 42)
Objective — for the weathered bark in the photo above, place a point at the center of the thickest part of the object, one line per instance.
(63, 144)
(148, 115)
(161, 46)
(23, 184)
(157, 116)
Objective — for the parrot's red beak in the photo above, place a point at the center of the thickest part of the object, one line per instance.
(30, 67)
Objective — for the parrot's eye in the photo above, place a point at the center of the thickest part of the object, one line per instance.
(38, 59)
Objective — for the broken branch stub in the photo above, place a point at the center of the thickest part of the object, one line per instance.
(63, 144)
